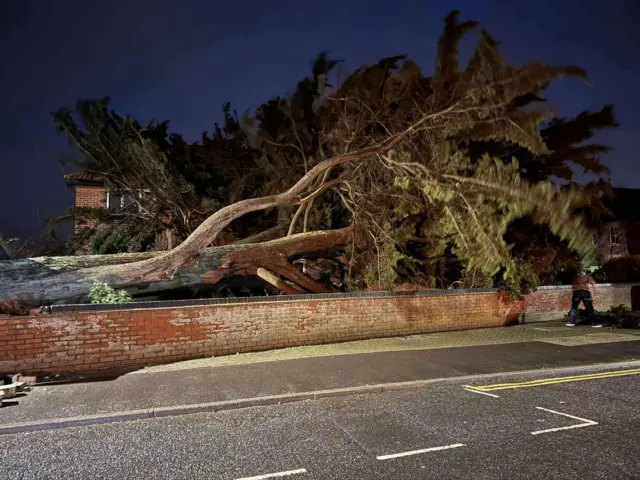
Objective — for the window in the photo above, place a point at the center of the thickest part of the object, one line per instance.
(614, 238)
(118, 201)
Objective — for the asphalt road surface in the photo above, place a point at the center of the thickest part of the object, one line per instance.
(582, 428)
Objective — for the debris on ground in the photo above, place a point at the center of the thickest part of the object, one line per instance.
(15, 385)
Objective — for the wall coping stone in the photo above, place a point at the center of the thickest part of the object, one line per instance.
(296, 298)
(607, 285)
(265, 299)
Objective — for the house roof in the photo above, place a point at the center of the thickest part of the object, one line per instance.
(84, 178)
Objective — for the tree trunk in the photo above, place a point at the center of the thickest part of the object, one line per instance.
(272, 234)
(47, 280)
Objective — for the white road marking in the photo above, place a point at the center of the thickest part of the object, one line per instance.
(483, 393)
(417, 452)
(586, 422)
(275, 475)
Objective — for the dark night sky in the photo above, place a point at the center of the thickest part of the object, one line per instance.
(181, 60)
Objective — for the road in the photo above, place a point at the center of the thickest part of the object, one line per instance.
(587, 427)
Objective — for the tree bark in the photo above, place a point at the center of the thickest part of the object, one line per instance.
(47, 280)
(271, 234)
(295, 275)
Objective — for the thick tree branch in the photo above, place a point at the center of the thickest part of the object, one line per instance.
(293, 274)
(277, 282)
(271, 234)
(45, 280)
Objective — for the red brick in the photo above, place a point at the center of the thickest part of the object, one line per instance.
(142, 337)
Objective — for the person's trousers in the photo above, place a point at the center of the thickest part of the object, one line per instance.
(585, 297)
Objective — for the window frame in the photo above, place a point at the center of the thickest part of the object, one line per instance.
(116, 196)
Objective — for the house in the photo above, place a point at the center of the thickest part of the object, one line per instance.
(90, 191)
(619, 233)
(611, 241)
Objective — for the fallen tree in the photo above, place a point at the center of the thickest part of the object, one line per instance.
(47, 280)
(388, 155)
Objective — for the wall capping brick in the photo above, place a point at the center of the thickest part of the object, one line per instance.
(296, 298)
(599, 285)
(274, 298)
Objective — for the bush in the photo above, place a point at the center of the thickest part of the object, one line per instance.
(103, 293)
(108, 241)
(122, 239)
(621, 317)
(522, 279)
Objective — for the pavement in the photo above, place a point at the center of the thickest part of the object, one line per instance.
(584, 425)
(294, 374)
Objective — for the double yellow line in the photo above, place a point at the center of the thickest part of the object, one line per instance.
(552, 381)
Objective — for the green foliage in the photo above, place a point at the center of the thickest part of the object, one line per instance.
(466, 153)
(466, 202)
(479, 209)
(108, 241)
(142, 242)
(104, 294)
(551, 258)
(522, 279)
(122, 239)
(474, 278)
(182, 183)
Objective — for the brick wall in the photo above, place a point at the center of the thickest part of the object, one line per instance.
(91, 197)
(99, 340)
(88, 197)
(547, 302)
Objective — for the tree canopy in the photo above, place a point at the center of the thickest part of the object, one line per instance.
(419, 167)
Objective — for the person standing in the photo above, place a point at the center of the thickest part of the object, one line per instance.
(582, 289)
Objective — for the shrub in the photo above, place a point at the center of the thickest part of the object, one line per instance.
(103, 293)
(123, 239)
(108, 241)
(522, 279)
(621, 317)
